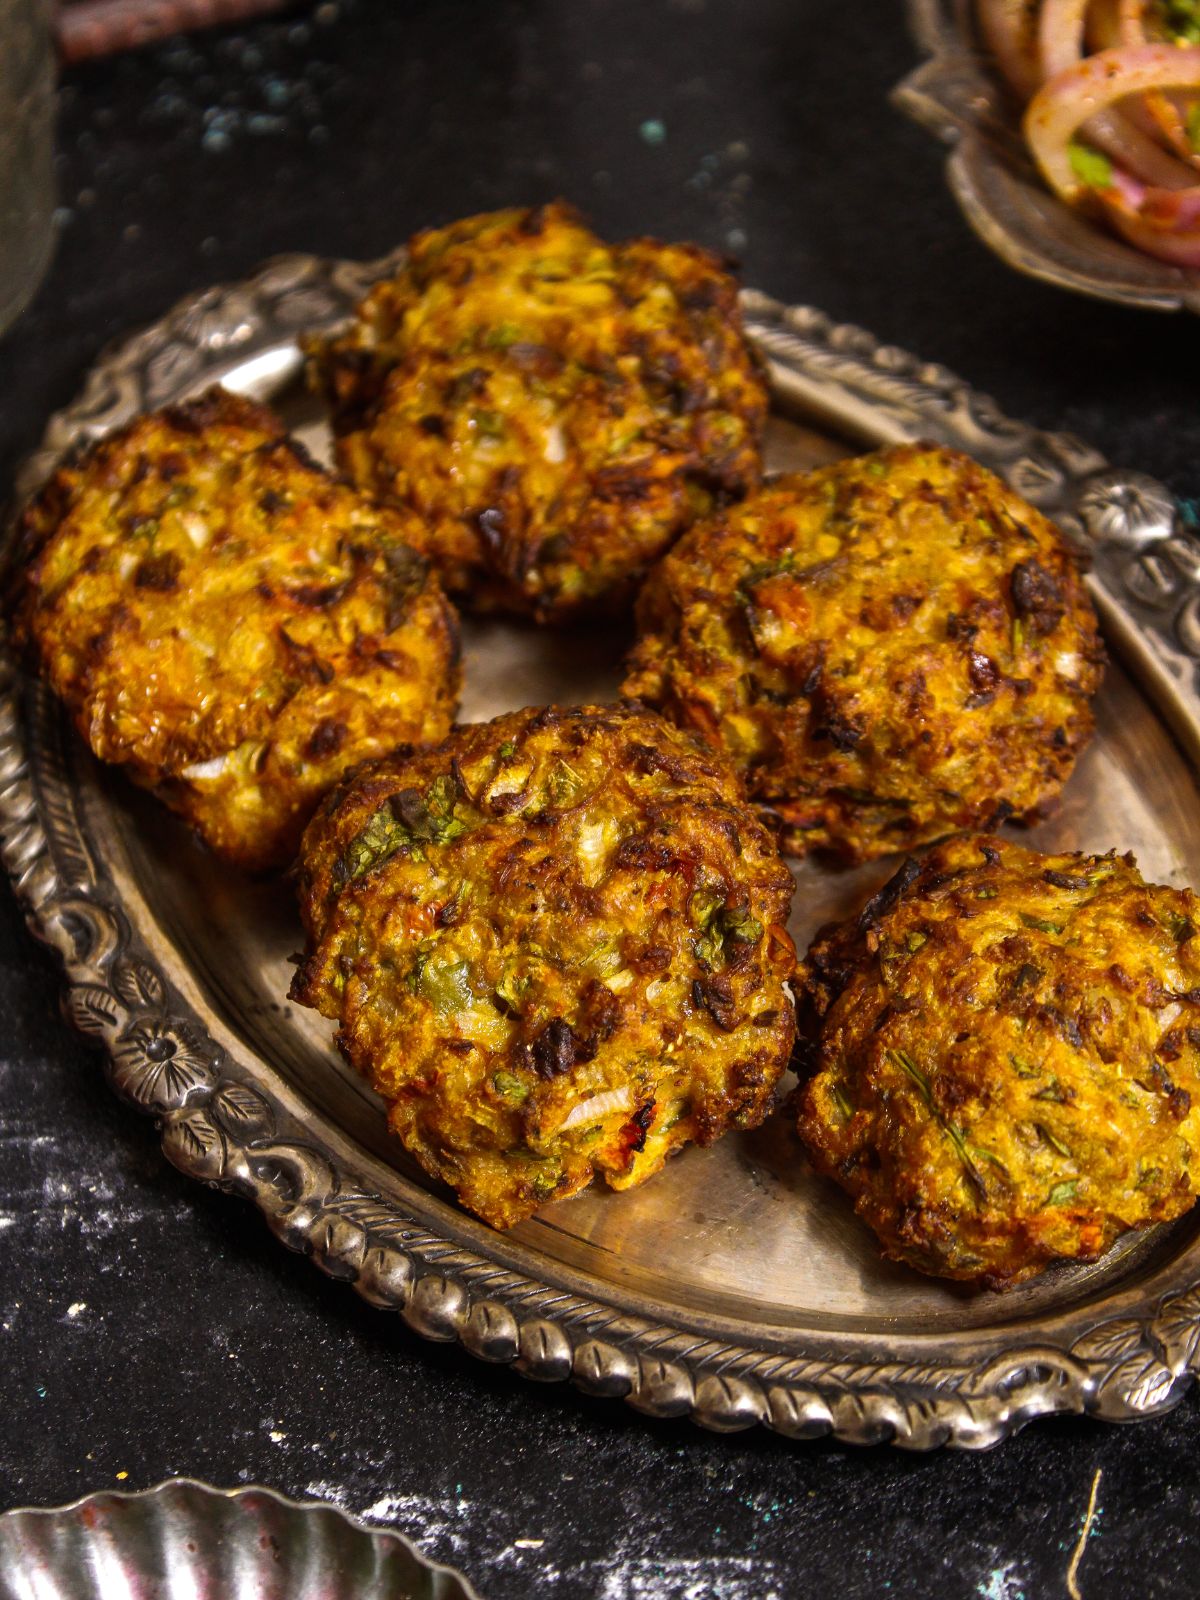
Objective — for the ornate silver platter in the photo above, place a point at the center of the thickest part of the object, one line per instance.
(187, 1538)
(736, 1288)
(957, 96)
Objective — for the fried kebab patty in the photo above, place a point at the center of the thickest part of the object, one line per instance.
(555, 946)
(556, 409)
(230, 624)
(1006, 1070)
(889, 648)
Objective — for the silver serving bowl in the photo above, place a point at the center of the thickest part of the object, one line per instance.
(958, 98)
(187, 1538)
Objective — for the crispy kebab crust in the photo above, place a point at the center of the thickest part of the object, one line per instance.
(556, 409)
(229, 623)
(889, 649)
(555, 946)
(1005, 1069)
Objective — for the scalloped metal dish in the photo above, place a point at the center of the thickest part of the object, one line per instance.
(187, 1538)
(736, 1288)
(957, 96)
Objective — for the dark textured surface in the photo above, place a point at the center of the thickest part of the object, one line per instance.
(143, 1319)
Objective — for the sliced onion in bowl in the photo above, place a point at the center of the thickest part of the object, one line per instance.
(1121, 139)
(1103, 29)
(1181, 249)
(1061, 108)
(1060, 35)
(1009, 29)
(1171, 118)
(1060, 44)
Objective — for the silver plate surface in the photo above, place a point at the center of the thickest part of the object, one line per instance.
(736, 1288)
(187, 1538)
(963, 102)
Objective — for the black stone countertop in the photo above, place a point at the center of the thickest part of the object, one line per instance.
(150, 1327)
